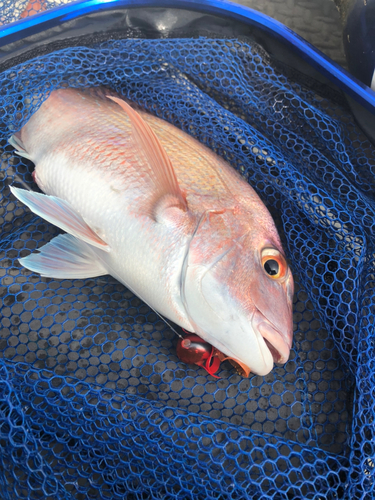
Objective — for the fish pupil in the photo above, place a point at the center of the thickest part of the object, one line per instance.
(271, 267)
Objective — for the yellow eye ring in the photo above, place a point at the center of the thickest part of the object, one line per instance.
(274, 264)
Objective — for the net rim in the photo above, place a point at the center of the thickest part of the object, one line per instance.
(236, 14)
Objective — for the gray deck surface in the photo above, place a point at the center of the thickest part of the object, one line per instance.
(317, 21)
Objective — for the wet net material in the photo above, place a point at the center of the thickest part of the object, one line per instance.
(94, 403)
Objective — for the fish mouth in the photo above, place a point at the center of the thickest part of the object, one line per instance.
(278, 346)
(274, 340)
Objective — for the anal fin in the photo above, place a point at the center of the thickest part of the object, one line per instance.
(65, 257)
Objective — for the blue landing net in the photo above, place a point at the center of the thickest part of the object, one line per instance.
(94, 403)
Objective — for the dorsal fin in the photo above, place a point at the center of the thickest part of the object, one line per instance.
(161, 168)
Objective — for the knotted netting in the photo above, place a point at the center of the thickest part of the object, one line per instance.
(94, 403)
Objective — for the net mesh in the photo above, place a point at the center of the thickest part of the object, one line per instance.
(94, 403)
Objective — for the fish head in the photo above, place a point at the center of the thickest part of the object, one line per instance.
(237, 289)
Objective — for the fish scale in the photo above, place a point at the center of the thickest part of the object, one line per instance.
(143, 201)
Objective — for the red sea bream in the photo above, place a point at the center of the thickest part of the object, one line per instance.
(143, 201)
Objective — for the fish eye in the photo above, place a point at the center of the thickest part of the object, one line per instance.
(271, 266)
(274, 264)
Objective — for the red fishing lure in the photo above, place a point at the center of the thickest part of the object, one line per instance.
(193, 350)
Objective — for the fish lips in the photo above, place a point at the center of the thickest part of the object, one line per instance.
(278, 344)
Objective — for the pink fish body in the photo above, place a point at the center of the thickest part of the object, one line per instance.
(143, 201)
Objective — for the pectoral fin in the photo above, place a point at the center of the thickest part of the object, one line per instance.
(65, 257)
(161, 168)
(61, 214)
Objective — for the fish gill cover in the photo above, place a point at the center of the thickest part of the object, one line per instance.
(94, 403)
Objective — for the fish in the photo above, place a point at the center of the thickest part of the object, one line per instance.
(145, 202)
(33, 7)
